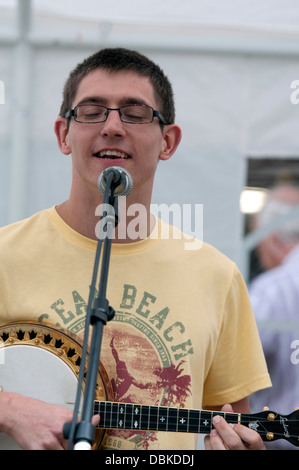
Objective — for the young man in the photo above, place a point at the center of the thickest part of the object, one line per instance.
(183, 334)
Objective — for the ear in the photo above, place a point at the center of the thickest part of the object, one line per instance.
(61, 131)
(172, 135)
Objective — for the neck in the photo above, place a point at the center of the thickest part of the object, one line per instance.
(83, 216)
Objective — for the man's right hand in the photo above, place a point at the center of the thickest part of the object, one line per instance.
(34, 424)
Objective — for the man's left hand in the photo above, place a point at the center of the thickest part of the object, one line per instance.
(226, 436)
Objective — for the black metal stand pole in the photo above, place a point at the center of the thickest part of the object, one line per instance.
(82, 434)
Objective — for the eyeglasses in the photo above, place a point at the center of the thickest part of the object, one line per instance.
(132, 114)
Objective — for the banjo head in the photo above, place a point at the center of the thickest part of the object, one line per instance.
(43, 362)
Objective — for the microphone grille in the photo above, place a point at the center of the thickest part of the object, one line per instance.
(126, 182)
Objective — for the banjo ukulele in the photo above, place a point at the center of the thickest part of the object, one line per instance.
(42, 362)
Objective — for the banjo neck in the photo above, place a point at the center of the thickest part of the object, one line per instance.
(269, 424)
(157, 418)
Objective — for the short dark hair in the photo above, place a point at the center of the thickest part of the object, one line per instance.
(121, 59)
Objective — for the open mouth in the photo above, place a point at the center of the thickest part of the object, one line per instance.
(111, 155)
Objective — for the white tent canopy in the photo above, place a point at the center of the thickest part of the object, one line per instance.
(231, 62)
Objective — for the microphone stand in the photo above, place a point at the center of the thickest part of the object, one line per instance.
(81, 434)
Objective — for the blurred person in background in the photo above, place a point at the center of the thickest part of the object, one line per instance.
(275, 300)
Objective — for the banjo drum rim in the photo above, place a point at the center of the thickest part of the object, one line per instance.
(65, 345)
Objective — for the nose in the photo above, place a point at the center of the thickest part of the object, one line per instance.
(113, 126)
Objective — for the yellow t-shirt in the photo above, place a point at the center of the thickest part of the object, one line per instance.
(183, 334)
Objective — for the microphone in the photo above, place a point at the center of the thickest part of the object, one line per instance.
(122, 179)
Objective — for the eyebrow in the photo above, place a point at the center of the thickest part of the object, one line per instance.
(128, 100)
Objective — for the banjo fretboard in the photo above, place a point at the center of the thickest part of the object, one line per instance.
(157, 418)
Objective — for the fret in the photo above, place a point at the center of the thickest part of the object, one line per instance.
(144, 417)
(217, 413)
(232, 417)
(128, 416)
(101, 411)
(96, 408)
(221, 413)
(162, 419)
(172, 422)
(114, 416)
(121, 416)
(229, 417)
(205, 425)
(183, 420)
(194, 417)
(153, 424)
(136, 416)
(107, 420)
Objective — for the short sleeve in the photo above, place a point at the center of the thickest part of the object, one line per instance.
(238, 368)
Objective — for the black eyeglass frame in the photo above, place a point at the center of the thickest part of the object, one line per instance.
(73, 112)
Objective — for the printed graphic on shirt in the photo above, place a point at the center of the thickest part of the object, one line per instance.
(145, 358)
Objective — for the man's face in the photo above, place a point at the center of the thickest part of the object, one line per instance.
(135, 147)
